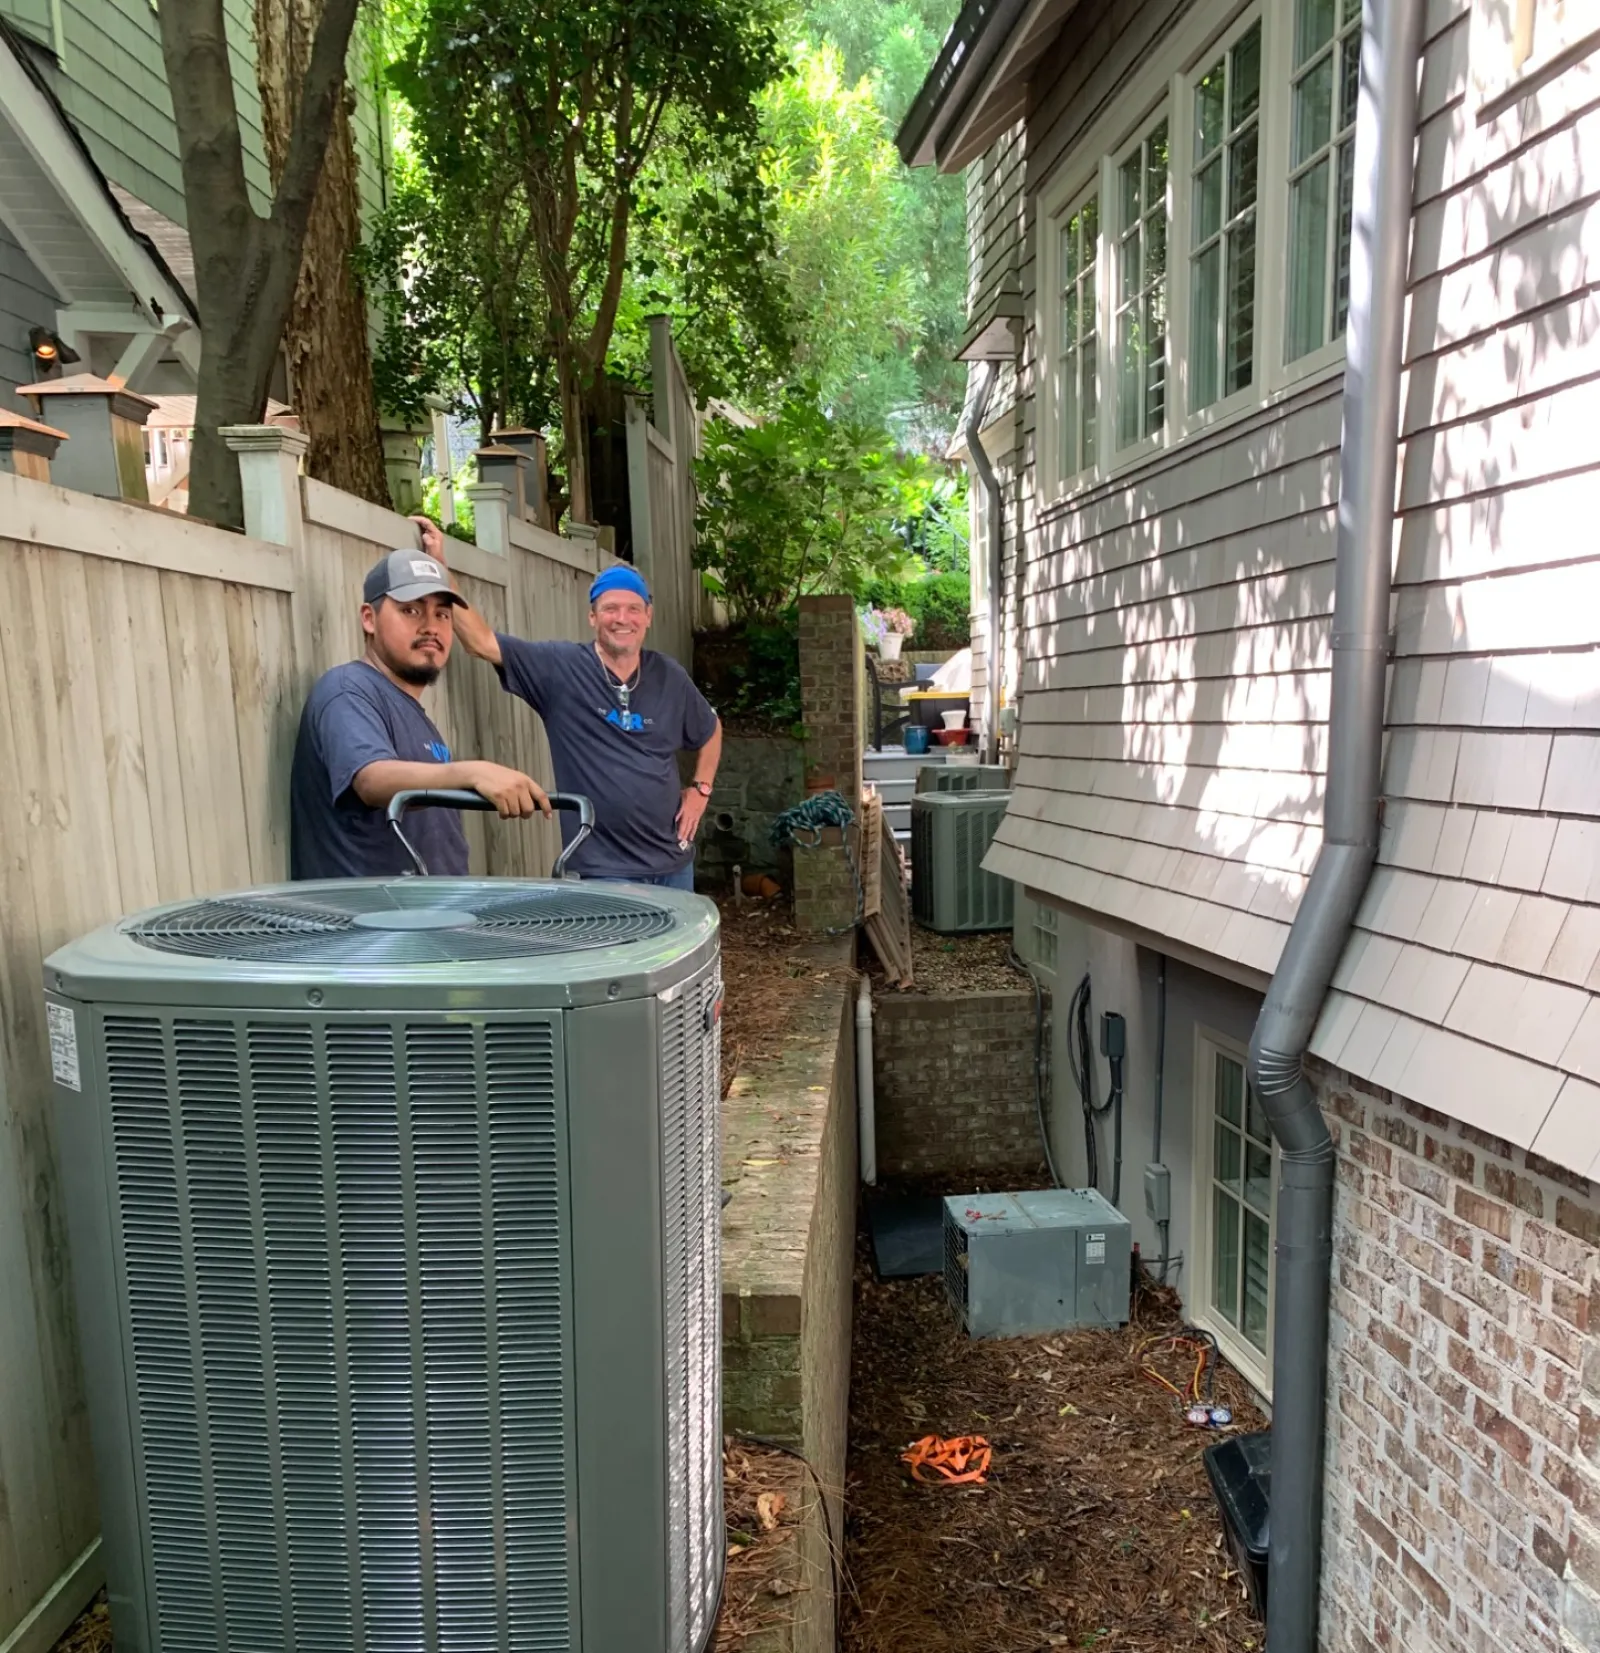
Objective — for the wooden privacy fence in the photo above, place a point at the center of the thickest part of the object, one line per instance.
(154, 674)
(663, 438)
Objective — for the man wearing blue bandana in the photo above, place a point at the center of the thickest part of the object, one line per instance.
(617, 714)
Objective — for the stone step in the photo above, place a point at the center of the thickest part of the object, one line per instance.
(895, 763)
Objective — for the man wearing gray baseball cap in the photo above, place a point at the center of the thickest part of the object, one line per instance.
(364, 736)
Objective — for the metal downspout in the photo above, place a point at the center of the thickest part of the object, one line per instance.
(1385, 137)
(989, 483)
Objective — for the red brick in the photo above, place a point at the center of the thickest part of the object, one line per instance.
(1570, 1304)
(1522, 1192)
(1551, 1172)
(1425, 1179)
(1446, 1232)
(1397, 1132)
(1391, 1342)
(1557, 1250)
(1519, 1275)
(1496, 1145)
(1581, 1220)
(1376, 1531)
(1439, 1121)
(1502, 1431)
(1444, 1309)
(1483, 1213)
(1459, 1162)
(1469, 1281)
(1555, 1428)
(1426, 1584)
(1425, 1258)
(1583, 1552)
(1376, 1156)
(1347, 1107)
(1479, 1373)
(1509, 1351)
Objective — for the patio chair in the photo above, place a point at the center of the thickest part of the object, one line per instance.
(890, 710)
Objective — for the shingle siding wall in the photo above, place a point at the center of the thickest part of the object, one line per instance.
(25, 301)
(1471, 983)
(1176, 629)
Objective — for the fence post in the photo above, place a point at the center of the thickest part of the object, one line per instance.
(269, 471)
(825, 878)
(491, 516)
(641, 517)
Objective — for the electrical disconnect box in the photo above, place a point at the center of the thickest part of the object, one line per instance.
(1020, 1264)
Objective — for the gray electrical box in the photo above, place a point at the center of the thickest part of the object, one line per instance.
(395, 1216)
(1019, 1264)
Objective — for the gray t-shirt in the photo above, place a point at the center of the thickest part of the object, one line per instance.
(626, 763)
(355, 716)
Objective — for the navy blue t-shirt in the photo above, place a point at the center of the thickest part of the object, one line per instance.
(625, 762)
(356, 716)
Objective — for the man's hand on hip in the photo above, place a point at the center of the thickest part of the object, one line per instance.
(512, 793)
(690, 812)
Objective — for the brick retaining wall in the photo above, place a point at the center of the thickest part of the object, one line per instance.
(789, 1152)
(953, 1083)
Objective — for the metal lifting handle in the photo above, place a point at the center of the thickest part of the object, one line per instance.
(451, 798)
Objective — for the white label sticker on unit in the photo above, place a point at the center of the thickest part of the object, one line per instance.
(64, 1046)
(1094, 1248)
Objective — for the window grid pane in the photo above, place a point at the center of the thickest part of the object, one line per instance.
(1223, 187)
(1079, 366)
(1323, 95)
(1140, 333)
(1241, 1204)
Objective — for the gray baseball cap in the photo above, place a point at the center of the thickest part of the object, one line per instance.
(406, 575)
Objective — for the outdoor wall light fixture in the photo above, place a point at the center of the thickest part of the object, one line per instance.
(48, 349)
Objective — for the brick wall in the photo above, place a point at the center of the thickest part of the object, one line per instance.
(831, 670)
(953, 1084)
(788, 1243)
(1463, 1498)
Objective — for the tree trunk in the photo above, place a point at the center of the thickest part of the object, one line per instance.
(575, 439)
(330, 360)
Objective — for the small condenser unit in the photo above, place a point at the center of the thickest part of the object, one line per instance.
(950, 835)
(963, 777)
(395, 1215)
(1020, 1264)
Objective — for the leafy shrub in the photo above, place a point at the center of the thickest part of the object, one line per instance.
(751, 671)
(939, 603)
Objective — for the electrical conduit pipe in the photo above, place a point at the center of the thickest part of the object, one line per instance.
(866, 1115)
(1386, 124)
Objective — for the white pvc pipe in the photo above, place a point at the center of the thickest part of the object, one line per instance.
(865, 1117)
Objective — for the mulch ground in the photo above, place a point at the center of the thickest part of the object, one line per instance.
(92, 1632)
(1096, 1527)
(955, 964)
(763, 959)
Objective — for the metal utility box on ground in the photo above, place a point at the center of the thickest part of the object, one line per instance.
(1016, 1265)
(395, 1214)
(950, 835)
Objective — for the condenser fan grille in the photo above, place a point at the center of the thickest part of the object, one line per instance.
(410, 921)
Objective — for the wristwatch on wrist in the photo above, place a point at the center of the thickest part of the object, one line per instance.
(702, 787)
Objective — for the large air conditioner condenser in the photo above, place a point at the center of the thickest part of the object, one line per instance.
(963, 777)
(395, 1225)
(950, 835)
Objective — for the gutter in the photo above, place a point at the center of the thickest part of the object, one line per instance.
(1386, 124)
(989, 485)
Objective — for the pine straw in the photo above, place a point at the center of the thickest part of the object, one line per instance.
(91, 1633)
(1096, 1528)
(764, 958)
(757, 1595)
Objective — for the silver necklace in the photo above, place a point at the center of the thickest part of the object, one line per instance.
(623, 690)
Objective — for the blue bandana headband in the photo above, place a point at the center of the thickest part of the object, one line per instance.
(619, 577)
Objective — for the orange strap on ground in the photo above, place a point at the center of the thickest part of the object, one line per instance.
(962, 1458)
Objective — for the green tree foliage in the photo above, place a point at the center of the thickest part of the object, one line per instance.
(798, 503)
(560, 111)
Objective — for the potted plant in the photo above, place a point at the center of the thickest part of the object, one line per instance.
(887, 629)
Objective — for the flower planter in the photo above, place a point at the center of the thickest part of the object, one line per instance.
(889, 645)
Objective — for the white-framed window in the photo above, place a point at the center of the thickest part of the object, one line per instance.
(1233, 1208)
(977, 543)
(1078, 366)
(1322, 150)
(1223, 193)
(1139, 316)
(1235, 289)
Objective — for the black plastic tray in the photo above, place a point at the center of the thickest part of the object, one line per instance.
(1240, 1471)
